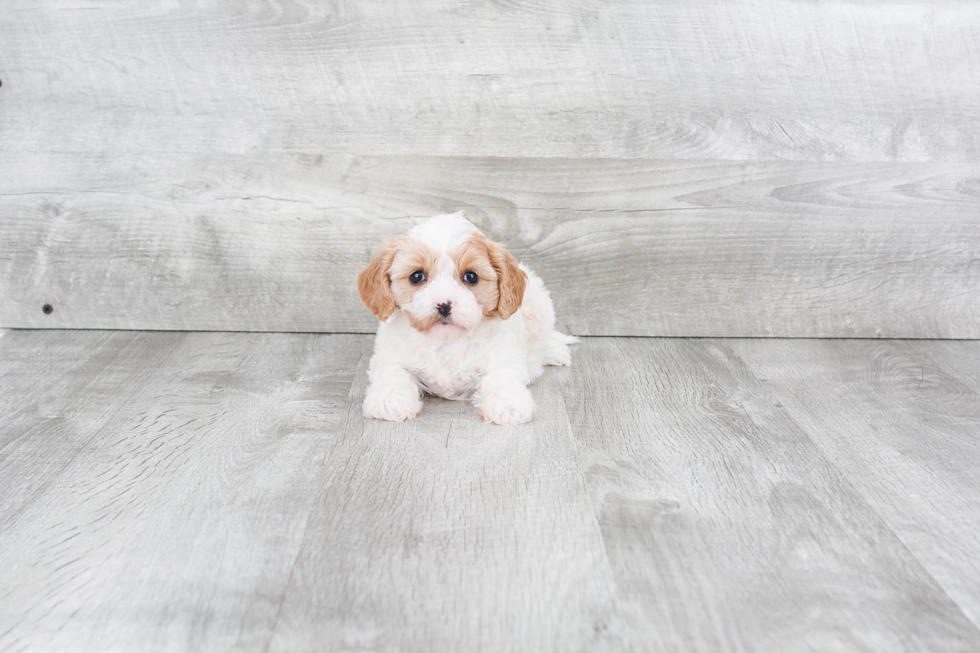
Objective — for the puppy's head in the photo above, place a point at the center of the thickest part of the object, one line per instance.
(445, 276)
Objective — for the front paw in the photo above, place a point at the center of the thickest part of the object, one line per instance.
(392, 406)
(511, 409)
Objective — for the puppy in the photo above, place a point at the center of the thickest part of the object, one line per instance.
(460, 319)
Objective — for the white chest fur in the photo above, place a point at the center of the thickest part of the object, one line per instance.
(452, 363)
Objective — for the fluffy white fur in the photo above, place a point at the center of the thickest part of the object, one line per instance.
(478, 357)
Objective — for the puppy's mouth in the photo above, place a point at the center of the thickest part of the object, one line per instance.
(425, 325)
(446, 322)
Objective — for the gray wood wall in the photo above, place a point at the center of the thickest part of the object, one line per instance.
(725, 168)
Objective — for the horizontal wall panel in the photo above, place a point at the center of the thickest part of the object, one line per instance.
(794, 168)
(715, 79)
(628, 247)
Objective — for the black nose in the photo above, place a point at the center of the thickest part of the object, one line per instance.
(444, 309)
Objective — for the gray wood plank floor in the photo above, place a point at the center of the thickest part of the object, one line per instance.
(217, 491)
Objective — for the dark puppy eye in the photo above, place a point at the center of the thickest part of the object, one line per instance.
(470, 278)
(417, 277)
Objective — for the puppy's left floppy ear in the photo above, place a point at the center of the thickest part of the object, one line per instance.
(511, 280)
(374, 283)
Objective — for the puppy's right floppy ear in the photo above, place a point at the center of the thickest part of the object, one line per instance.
(374, 283)
(511, 279)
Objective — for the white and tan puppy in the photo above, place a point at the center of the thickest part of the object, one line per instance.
(460, 319)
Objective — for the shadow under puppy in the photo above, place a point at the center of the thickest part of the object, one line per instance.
(460, 319)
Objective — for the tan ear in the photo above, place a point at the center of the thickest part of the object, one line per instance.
(511, 280)
(374, 283)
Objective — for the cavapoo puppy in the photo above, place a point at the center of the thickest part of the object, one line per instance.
(461, 319)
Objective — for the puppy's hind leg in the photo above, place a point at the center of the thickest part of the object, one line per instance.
(555, 348)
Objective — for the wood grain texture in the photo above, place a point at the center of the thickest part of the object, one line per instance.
(628, 247)
(727, 527)
(448, 534)
(201, 492)
(154, 488)
(777, 79)
(775, 168)
(913, 450)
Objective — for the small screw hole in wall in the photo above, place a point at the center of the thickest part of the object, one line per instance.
(48, 309)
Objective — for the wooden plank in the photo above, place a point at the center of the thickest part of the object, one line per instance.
(40, 380)
(628, 247)
(154, 488)
(448, 534)
(175, 492)
(777, 79)
(901, 421)
(727, 527)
